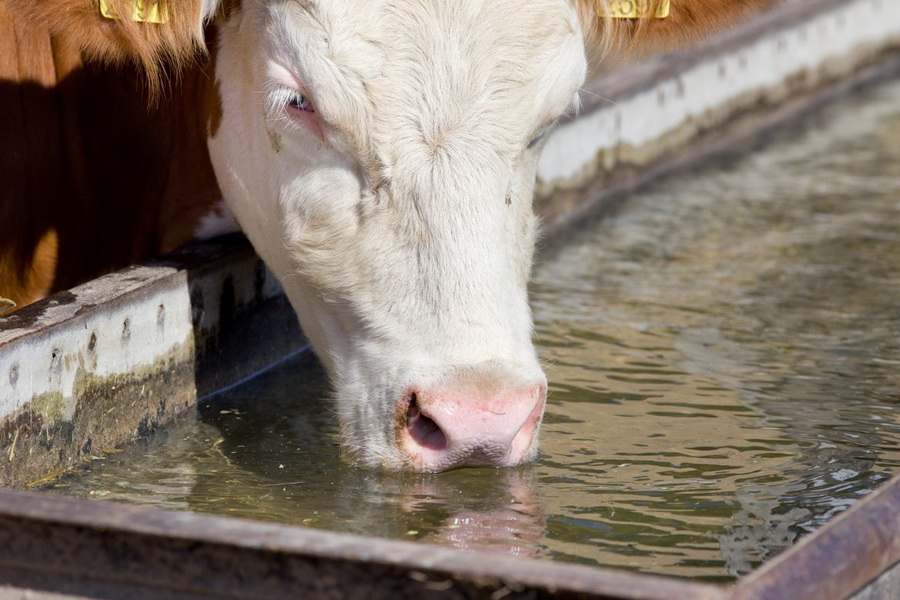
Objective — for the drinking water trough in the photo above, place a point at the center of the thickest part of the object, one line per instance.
(90, 369)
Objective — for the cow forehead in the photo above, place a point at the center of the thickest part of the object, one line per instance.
(462, 43)
(415, 29)
(394, 23)
(430, 65)
(472, 53)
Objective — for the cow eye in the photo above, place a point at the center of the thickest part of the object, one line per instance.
(295, 106)
(300, 102)
(541, 134)
(537, 139)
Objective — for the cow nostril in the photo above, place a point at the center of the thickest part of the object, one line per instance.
(422, 429)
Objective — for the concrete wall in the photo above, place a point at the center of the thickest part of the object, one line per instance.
(88, 369)
(682, 108)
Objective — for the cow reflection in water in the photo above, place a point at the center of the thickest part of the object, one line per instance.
(276, 462)
(506, 520)
(255, 452)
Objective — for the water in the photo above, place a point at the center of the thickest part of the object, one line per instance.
(723, 357)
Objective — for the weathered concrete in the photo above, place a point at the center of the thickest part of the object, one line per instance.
(93, 367)
(855, 554)
(885, 587)
(682, 108)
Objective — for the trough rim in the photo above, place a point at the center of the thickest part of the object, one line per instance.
(232, 532)
(806, 571)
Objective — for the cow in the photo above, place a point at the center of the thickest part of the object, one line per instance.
(380, 156)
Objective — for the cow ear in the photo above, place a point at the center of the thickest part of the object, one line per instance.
(685, 21)
(151, 33)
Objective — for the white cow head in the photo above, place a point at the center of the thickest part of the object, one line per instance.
(380, 155)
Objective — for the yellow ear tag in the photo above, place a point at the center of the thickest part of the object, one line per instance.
(142, 11)
(636, 9)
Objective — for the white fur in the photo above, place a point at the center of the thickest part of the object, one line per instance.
(403, 235)
(208, 10)
(218, 221)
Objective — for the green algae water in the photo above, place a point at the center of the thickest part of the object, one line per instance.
(724, 366)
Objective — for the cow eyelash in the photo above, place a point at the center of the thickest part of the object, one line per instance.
(536, 139)
(540, 135)
(286, 104)
(299, 102)
(285, 101)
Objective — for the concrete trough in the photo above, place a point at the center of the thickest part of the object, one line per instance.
(94, 367)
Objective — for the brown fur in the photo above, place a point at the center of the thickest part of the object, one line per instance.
(688, 21)
(154, 47)
(93, 176)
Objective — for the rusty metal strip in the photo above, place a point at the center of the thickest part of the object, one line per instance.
(53, 544)
(837, 560)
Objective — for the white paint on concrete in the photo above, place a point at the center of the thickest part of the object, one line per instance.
(750, 71)
(112, 340)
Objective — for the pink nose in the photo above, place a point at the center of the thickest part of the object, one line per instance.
(440, 429)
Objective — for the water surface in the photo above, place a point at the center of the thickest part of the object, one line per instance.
(723, 359)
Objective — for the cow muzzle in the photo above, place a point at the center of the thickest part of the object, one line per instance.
(445, 427)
